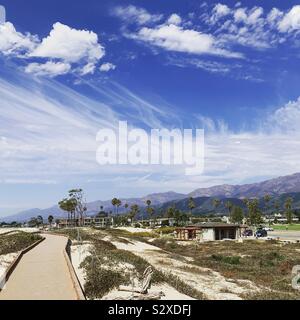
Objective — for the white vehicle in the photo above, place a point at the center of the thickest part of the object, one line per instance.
(268, 229)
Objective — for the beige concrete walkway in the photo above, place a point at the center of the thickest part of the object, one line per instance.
(42, 274)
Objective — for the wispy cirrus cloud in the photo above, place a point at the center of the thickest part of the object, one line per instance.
(48, 136)
(133, 14)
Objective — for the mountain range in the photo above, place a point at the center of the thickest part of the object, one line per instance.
(278, 188)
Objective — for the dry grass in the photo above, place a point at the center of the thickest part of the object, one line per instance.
(268, 264)
(17, 241)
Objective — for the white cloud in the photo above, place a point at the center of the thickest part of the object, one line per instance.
(274, 16)
(89, 68)
(50, 68)
(175, 38)
(70, 45)
(291, 20)
(13, 42)
(254, 15)
(287, 118)
(240, 15)
(220, 10)
(133, 14)
(174, 19)
(65, 47)
(2, 14)
(105, 67)
(251, 17)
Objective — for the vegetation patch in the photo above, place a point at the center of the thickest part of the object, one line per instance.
(267, 264)
(183, 287)
(108, 267)
(18, 241)
(74, 233)
(165, 230)
(226, 259)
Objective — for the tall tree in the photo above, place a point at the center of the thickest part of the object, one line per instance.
(50, 220)
(68, 205)
(149, 209)
(170, 212)
(288, 210)
(77, 196)
(118, 204)
(39, 220)
(267, 199)
(114, 202)
(228, 206)
(236, 215)
(191, 205)
(126, 205)
(254, 216)
(216, 203)
(134, 210)
(276, 206)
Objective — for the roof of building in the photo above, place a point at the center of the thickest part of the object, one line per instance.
(212, 225)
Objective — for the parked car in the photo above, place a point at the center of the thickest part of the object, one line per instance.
(260, 233)
(248, 233)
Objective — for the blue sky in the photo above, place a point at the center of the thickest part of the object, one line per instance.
(69, 68)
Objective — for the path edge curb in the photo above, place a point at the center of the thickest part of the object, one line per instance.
(76, 283)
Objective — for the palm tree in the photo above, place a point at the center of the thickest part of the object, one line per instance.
(150, 210)
(134, 210)
(114, 202)
(191, 205)
(288, 208)
(267, 199)
(126, 205)
(228, 205)
(50, 220)
(277, 206)
(40, 220)
(216, 203)
(119, 203)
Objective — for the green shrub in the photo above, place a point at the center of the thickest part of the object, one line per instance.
(226, 259)
(100, 281)
(165, 230)
(17, 241)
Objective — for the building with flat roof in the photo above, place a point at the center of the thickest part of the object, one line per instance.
(100, 222)
(209, 231)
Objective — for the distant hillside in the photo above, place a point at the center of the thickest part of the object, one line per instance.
(277, 188)
(94, 207)
(204, 205)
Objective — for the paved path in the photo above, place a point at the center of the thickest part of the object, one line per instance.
(285, 234)
(42, 274)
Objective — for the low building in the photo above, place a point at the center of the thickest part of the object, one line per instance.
(279, 218)
(209, 232)
(100, 222)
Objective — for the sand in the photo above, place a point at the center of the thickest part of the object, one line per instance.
(30, 230)
(134, 230)
(212, 284)
(78, 254)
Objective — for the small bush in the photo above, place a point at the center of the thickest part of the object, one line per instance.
(226, 259)
(165, 230)
(100, 281)
(183, 287)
